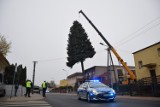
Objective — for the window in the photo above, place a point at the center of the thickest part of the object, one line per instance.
(158, 51)
(120, 72)
(140, 64)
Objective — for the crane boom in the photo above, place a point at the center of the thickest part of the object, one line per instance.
(132, 76)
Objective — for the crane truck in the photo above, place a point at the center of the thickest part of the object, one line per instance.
(132, 76)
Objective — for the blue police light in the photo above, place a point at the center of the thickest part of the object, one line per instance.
(95, 80)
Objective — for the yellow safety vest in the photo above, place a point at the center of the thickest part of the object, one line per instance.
(28, 84)
(43, 85)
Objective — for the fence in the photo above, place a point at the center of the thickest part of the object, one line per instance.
(143, 87)
(20, 92)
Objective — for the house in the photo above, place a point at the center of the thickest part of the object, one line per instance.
(108, 75)
(75, 79)
(3, 63)
(147, 61)
(64, 82)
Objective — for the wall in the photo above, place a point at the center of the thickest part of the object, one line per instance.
(73, 80)
(147, 56)
(20, 92)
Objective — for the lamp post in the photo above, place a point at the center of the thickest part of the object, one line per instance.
(66, 78)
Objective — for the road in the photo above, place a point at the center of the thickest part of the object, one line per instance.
(70, 100)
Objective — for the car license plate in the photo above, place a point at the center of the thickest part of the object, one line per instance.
(106, 95)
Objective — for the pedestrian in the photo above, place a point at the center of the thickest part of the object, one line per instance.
(44, 87)
(16, 88)
(28, 88)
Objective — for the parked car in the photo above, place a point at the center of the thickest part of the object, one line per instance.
(94, 90)
(36, 89)
(2, 90)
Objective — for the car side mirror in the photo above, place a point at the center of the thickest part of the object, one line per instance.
(85, 87)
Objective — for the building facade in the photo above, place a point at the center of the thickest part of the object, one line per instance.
(3, 63)
(63, 82)
(73, 78)
(108, 75)
(147, 61)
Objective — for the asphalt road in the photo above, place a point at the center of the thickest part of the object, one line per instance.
(70, 100)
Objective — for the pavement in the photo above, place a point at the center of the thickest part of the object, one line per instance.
(38, 97)
(34, 97)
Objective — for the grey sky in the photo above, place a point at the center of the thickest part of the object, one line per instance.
(38, 30)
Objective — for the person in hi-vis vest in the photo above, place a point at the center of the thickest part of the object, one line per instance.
(44, 87)
(28, 88)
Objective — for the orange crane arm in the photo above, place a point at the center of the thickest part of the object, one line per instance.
(132, 76)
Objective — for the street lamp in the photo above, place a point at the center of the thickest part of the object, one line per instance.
(66, 72)
(103, 44)
(66, 78)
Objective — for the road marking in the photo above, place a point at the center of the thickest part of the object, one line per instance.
(25, 104)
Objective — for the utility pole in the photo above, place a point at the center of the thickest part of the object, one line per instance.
(66, 78)
(14, 79)
(34, 66)
(109, 64)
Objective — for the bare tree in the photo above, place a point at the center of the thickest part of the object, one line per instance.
(4, 45)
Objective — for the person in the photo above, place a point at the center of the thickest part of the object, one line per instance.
(16, 88)
(44, 87)
(28, 88)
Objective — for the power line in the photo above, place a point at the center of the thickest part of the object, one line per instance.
(48, 60)
(140, 31)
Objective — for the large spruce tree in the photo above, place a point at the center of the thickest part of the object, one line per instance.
(79, 46)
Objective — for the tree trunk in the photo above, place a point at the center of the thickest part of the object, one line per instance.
(82, 67)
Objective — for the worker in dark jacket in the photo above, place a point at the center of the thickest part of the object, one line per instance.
(44, 87)
(28, 88)
(16, 88)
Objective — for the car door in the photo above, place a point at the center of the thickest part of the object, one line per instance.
(84, 90)
(80, 91)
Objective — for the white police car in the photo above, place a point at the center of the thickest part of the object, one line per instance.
(94, 90)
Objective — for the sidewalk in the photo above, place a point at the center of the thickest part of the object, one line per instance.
(33, 97)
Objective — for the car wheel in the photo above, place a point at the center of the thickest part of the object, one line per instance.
(4, 93)
(88, 98)
(79, 98)
(112, 100)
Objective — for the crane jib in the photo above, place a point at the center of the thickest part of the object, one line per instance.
(132, 76)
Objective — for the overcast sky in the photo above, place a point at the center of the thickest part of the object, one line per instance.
(38, 30)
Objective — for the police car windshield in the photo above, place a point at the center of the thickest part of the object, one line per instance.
(97, 85)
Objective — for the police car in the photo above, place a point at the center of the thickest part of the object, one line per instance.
(94, 90)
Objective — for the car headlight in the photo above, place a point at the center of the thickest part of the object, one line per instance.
(94, 92)
(113, 91)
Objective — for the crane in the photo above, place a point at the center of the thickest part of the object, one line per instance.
(132, 76)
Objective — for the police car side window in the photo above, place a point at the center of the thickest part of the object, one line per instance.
(85, 85)
(81, 85)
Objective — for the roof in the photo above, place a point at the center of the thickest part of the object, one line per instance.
(3, 59)
(75, 74)
(106, 67)
(147, 47)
